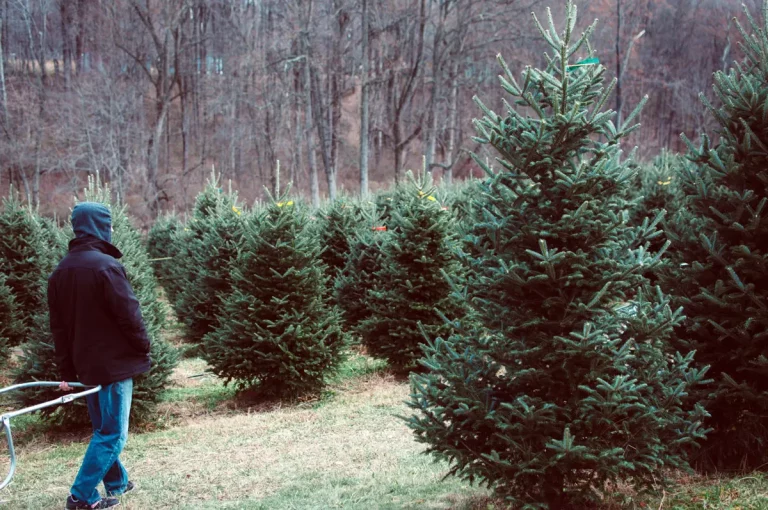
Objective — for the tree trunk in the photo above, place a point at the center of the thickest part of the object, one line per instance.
(364, 112)
(3, 90)
(336, 85)
(431, 139)
(80, 37)
(399, 156)
(153, 160)
(314, 185)
(323, 135)
(619, 99)
(453, 124)
(184, 128)
(296, 162)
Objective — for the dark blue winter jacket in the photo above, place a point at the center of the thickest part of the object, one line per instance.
(96, 321)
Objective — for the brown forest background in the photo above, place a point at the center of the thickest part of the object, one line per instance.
(153, 94)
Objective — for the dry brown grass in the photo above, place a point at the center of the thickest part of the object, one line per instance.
(344, 448)
(344, 451)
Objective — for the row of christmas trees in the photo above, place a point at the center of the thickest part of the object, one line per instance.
(563, 331)
(30, 248)
(270, 295)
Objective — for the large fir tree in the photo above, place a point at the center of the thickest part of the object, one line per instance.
(361, 265)
(411, 282)
(554, 392)
(657, 190)
(208, 246)
(658, 186)
(339, 221)
(277, 330)
(24, 258)
(164, 248)
(721, 240)
(38, 354)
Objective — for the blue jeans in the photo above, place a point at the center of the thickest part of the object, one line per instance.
(109, 409)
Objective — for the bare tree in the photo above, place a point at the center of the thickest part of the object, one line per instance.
(404, 62)
(162, 24)
(152, 93)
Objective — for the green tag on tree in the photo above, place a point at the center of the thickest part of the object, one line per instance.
(586, 62)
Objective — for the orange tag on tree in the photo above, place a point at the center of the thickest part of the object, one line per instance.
(379, 229)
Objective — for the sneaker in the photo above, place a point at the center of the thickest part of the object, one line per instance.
(128, 488)
(74, 504)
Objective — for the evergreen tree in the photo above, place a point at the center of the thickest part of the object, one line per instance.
(362, 263)
(277, 330)
(387, 201)
(410, 284)
(23, 258)
(722, 281)
(164, 248)
(11, 326)
(39, 357)
(208, 246)
(55, 239)
(554, 392)
(338, 222)
(656, 190)
(659, 185)
(464, 200)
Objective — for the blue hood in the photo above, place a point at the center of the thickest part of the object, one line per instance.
(92, 219)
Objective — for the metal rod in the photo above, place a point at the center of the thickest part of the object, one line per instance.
(12, 470)
(6, 418)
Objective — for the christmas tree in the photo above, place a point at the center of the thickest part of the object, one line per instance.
(277, 330)
(11, 326)
(39, 361)
(410, 284)
(339, 221)
(721, 279)
(208, 245)
(163, 247)
(656, 190)
(24, 259)
(553, 392)
(55, 239)
(387, 201)
(659, 185)
(362, 263)
(463, 199)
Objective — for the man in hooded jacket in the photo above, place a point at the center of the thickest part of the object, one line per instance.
(100, 339)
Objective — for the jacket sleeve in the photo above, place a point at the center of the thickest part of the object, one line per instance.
(61, 341)
(125, 308)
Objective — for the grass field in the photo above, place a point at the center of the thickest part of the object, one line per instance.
(343, 449)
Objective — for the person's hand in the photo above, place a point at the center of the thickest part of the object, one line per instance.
(64, 386)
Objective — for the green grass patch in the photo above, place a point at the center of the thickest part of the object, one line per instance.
(357, 364)
(740, 492)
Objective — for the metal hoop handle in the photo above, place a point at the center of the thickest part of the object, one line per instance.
(6, 418)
